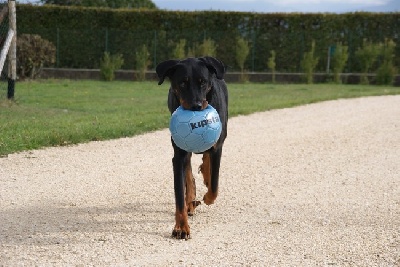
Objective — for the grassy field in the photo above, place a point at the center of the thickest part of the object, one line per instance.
(63, 112)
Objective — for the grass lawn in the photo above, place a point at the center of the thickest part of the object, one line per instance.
(63, 112)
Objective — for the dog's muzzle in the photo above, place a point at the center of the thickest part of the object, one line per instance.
(199, 105)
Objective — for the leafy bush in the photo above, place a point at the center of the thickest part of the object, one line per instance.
(142, 63)
(272, 65)
(309, 63)
(242, 52)
(207, 48)
(339, 60)
(33, 53)
(109, 64)
(386, 71)
(179, 51)
(191, 51)
(367, 56)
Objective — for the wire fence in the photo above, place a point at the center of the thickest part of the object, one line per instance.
(84, 48)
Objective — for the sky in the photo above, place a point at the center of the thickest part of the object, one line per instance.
(284, 6)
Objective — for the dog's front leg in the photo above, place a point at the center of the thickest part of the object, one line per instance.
(190, 194)
(180, 160)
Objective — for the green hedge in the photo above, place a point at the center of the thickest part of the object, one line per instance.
(81, 35)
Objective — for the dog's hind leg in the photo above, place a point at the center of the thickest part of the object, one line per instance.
(205, 169)
(191, 202)
(210, 170)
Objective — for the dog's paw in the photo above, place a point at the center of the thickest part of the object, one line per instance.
(192, 206)
(209, 198)
(179, 234)
(181, 228)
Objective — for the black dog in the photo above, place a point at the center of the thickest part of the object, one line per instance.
(195, 83)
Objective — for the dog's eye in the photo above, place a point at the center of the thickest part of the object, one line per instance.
(202, 82)
(184, 82)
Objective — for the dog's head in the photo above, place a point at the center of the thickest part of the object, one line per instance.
(191, 79)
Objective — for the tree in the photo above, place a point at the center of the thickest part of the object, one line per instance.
(109, 64)
(309, 63)
(367, 55)
(272, 65)
(387, 71)
(142, 63)
(179, 51)
(207, 48)
(339, 60)
(242, 51)
(103, 3)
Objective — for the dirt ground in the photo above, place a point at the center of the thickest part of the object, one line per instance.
(316, 185)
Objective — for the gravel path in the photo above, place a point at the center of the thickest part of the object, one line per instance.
(317, 185)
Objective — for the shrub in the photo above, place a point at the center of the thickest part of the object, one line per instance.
(339, 60)
(272, 65)
(33, 53)
(367, 56)
(109, 64)
(179, 51)
(207, 48)
(191, 51)
(386, 71)
(309, 63)
(142, 62)
(242, 52)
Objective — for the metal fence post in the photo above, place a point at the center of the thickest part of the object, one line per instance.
(106, 40)
(253, 50)
(351, 51)
(155, 49)
(58, 48)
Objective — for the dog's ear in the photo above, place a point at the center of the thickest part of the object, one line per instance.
(215, 66)
(165, 69)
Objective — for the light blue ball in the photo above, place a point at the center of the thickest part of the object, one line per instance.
(195, 131)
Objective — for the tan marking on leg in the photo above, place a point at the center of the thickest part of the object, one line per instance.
(190, 197)
(210, 197)
(205, 169)
(181, 229)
